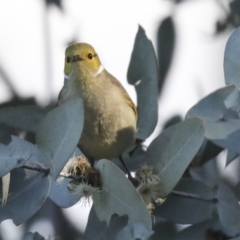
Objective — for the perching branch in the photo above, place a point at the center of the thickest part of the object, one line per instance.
(193, 196)
(38, 169)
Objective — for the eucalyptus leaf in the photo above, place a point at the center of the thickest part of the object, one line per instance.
(118, 196)
(16, 154)
(187, 210)
(59, 133)
(164, 230)
(97, 230)
(173, 150)
(208, 173)
(60, 194)
(233, 100)
(33, 236)
(230, 157)
(28, 192)
(208, 151)
(232, 59)
(134, 231)
(23, 117)
(228, 207)
(225, 134)
(195, 232)
(133, 161)
(222, 125)
(4, 130)
(172, 121)
(212, 107)
(143, 74)
(166, 38)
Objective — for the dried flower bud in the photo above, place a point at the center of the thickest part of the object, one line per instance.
(77, 166)
(83, 190)
(86, 179)
(150, 186)
(150, 207)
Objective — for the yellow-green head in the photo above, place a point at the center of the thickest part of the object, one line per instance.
(81, 56)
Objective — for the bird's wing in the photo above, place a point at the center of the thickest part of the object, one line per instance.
(128, 99)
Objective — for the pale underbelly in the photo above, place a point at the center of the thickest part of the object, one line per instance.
(106, 145)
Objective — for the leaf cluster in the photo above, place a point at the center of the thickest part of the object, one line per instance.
(176, 175)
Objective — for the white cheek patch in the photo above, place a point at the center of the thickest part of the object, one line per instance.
(66, 77)
(101, 68)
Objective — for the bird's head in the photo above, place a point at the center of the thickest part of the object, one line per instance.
(83, 57)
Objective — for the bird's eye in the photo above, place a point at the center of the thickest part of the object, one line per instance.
(68, 59)
(90, 56)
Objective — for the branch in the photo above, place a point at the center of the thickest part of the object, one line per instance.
(191, 195)
(37, 169)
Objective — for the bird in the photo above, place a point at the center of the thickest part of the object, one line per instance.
(110, 116)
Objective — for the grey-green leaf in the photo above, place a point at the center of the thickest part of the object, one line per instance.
(23, 117)
(118, 196)
(59, 133)
(143, 74)
(97, 230)
(212, 106)
(172, 151)
(233, 100)
(222, 125)
(60, 194)
(33, 236)
(231, 156)
(16, 154)
(232, 59)
(28, 192)
(134, 231)
(228, 207)
(196, 231)
(208, 173)
(187, 210)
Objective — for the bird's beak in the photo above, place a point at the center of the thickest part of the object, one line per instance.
(77, 58)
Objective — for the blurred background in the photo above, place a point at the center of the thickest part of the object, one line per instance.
(189, 38)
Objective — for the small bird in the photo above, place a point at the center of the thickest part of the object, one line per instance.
(110, 116)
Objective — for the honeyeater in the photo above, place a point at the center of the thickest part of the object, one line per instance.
(110, 116)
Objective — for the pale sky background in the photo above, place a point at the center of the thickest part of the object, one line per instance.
(33, 41)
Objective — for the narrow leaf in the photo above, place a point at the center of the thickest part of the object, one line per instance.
(228, 207)
(232, 59)
(166, 42)
(143, 74)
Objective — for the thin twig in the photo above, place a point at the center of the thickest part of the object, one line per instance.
(131, 179)
(76, 178)
(37, 169)
(193, 196)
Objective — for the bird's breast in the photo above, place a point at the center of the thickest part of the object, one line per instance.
(109, 127)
